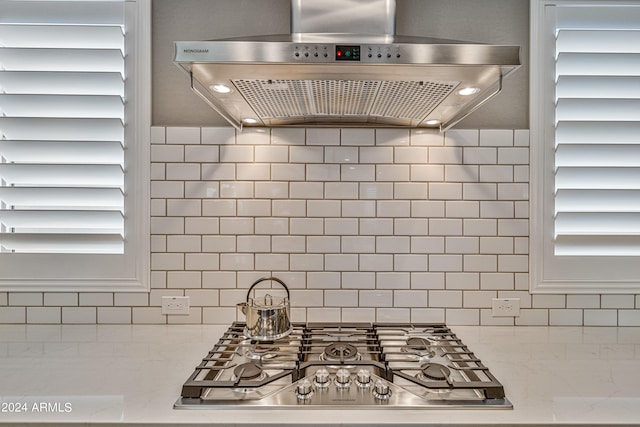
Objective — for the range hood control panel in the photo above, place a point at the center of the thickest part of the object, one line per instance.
(381, 54)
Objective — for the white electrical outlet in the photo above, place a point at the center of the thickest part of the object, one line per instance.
(175, 305)
(505, 307)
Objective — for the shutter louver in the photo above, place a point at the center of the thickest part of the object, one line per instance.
(62, 126)
(597, 133)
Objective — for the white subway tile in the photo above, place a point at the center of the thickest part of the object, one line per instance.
(114, 315)
(358, 280)
(496, 209)
(445, 299)
(289, 208)
(182, 207)
(548, 301)
(462, 209)
(288, 172)
(563, 317)
(513, 263)
(166, 189)
(184, 243)
(25, 298)
(496, 245)
(518, 191)
(600, 317)
(218, 315)
(479, 191)
(392, 280)
(341, 190)
(445, 227)
(392, 244)
(358, 208)
(513, 156)
(218, 279)
(358, 314)
(583, 301)
(288, 244)
(306, 190)
(272, 190)
(410, 154)
(521, 138)
(271, 226)
(148, 315)
(323, 244)
(410, 190)
(157, 135)
(219, 243)
(486, 319)
(254, 208)
(392, 137)
(370, 262)
(307, 226)
(96, 299)
(533, 317)
(57, 299)
(445, 263)
(341, 154)
(499, 281)
(158, 278)
(427, 208)
(323, 208)
(293, 279)
(288, 136)
(426, 137)
(341, 262)
(253, 243)
(477, 299)
(306, 262)
(323, 172)
(272, 261)
(183, 135)
(167, 261)
(427, 173)
(218, 135)
(307, 298)
(305, 154)
(628, 317)
(461, 137)
(461, 173)
(13, 315)
(375, 190)
(467, 281)
(375, 155)
(410, 263)
(357, 136)
(427, 315)
(230, 297)
(521, 173)
(462, 245)
(341, 298)
(321, 136)
(236, 153)
(615, 301)
(323, 279)
(341, 226)
(218, 171)
(184, 279)
(465, 316)
(194, 317)
(375, 298)
(393, 208)
(496, 173)
(253, 136)
(235, 262)
(392, 172)
(480, 155)
(236, 190)
(445, 190)
(323, 314)
(79, 315)
(410, 299)
(44, 315)
(480, 263)
(427, 280)
(357, 173)
(393, 315)
(410, 227)
(253, 171)
(358, 244)
(236, 225)
(445, 155)
(130, 299)
(167, 153)
(201, 261)
(521, 209)
(496, 137)
(479, 227)
(199, 154)
(202, 189)
(427, 245)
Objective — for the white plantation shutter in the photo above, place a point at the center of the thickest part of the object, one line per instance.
(586, 121)
(72, 143)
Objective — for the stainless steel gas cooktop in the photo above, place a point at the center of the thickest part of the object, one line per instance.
(350, 366)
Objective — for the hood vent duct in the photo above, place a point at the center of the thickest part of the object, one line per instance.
(329, 72)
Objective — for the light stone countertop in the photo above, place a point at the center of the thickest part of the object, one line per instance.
(132, 374)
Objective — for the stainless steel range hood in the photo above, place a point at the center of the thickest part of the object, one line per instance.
(343, 65)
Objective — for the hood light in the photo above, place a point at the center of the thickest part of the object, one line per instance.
(249, 121)
(468, 91)
(221, 88)
(432, 123)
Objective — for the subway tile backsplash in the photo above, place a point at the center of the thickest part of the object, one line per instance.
(385, 225)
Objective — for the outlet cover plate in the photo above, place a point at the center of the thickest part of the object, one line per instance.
(505, 307)
(175, 305)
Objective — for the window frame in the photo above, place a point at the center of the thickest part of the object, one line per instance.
(550, 273)
(128, 272)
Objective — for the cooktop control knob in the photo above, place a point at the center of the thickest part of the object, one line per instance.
(321, 378)
(381, 390)
(343, 378)
(304, 390)
(363, 378)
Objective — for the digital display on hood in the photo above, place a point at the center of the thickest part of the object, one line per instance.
(347, 53)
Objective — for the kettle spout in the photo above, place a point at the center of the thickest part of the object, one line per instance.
(243, 307)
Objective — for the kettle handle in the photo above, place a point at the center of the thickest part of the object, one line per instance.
(275, 279)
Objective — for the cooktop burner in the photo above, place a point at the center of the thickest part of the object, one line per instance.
(333, 366)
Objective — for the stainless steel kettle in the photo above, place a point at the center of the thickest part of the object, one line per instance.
(268, 317)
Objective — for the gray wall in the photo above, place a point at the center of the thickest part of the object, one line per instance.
(487, 21)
